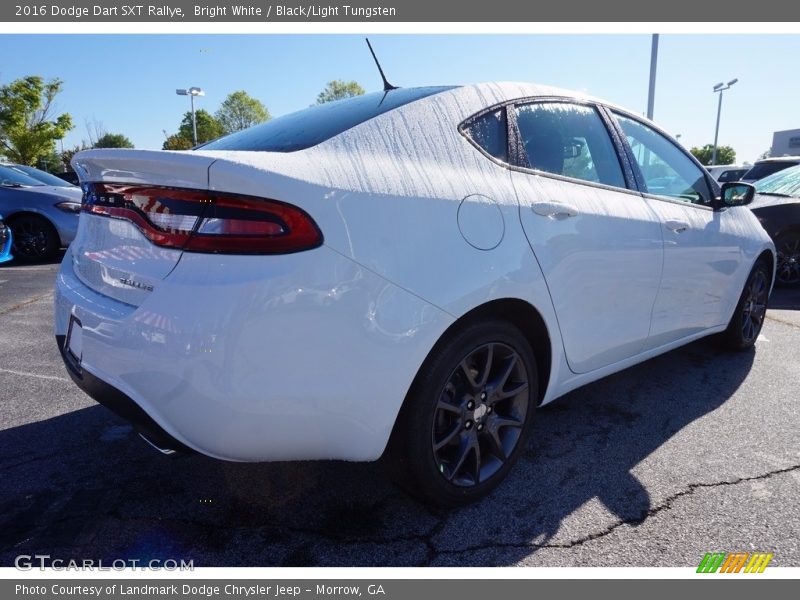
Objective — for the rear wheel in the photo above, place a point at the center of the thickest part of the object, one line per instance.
(468, 415)
(748, 318)
(35, 239)
(787, 272)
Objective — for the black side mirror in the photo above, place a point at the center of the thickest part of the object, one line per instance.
(736, 193)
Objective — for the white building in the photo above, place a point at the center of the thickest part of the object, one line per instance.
(786, 143)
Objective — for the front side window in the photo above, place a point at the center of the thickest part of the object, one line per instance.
(569, 140)
(489, 131)
(666, 169)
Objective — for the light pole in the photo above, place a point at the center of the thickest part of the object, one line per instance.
(192, 92)
(651, 91)
(720, 87)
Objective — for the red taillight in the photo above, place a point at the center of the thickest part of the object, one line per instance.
(200, 221)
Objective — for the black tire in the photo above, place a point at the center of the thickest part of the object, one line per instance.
(750, 312)
(787, 272)
(460, 419)
(35, 238)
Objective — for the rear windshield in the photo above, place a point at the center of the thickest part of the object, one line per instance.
(761, 170)
(43, 176)
(314, 125)
(9, 176)
(784, 183)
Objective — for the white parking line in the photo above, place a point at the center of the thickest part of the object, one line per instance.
(25, 303)
(43, 268)
(26, 374)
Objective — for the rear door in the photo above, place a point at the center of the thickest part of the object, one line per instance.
(598, 243)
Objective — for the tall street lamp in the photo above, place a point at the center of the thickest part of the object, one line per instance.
(192, 92)
(651, 92)
(720, 87)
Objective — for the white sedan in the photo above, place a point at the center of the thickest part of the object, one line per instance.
(407, 273)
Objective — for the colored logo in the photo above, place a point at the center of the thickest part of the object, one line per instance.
(735, 562)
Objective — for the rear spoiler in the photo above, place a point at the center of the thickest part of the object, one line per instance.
(151, 167)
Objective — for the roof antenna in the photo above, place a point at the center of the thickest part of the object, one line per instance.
(387, 87)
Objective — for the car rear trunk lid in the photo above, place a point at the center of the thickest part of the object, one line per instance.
(112, 255)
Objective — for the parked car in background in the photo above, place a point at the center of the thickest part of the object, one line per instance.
(43, 176)
(69, 176)
(768, 166)
(412, 271)
(42, 217)
(5, 242)
(725, 173)
(777, 207)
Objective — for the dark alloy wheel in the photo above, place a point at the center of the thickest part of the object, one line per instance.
(754, 308)
(467, 416)
(748, 318)
(34, 238)
(480, 414)
(787, 272)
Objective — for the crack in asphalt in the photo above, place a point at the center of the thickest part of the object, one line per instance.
(427, 539)
(665, 505)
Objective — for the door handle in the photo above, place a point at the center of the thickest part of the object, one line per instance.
(555, 210)
(676, 226)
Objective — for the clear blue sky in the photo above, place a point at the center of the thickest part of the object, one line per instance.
(127, 82)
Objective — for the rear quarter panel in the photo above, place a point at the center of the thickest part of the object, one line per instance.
(387, 194)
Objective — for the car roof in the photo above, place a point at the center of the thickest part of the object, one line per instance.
(778, 159)
(505, 91)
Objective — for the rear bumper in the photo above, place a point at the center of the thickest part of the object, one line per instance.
(118, 403)
(248, 358)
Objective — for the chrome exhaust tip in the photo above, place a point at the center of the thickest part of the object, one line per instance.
(167, 451)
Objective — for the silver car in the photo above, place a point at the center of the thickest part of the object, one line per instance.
(42, 216)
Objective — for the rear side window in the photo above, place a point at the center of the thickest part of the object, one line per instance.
(570, 140)
(314, 125)
(489, 131)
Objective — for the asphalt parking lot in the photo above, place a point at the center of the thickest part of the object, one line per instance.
(687, 453)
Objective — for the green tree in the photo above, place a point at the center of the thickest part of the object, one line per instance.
(113, 140)
(66, 155)
(176, 142)
(765, 154)
(338, 90)
(208, 128)
(50, 162)
(28, 129)
(240, 111)
(725, 154)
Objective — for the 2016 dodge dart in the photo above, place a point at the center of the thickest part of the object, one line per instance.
(408, 273)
